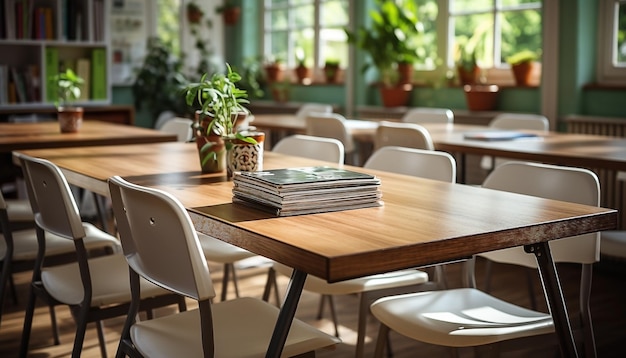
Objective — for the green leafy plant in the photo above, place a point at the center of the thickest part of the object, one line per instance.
(159, 80)
(68, 86)
(218, 98)
(390, 39)
(521, 57)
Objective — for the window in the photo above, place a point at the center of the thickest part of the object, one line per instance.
(168, 24)
(307, 30)
(612, 42)
(493, 29)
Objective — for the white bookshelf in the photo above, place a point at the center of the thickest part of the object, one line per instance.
(35, 31)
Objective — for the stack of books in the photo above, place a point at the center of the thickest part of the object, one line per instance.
(308, 190)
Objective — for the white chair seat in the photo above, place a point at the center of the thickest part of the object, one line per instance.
(25, 243)
(179, 335)
(19, 210)
(109, 277)
(459, 318)
(216, 250)
(363, 284)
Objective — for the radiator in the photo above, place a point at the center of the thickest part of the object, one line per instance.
(611, 183)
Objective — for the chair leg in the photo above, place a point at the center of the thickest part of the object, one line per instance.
(488, 267)
(531, 289)
(381, 341)
(225, 279)
(234, 274)
(101, 340)
(13, 289)
(364, 305)
(53, 325)
(81, 329)
(271, 281)
(28, 322)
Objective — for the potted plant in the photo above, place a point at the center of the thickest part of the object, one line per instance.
(194, 13)
(68, 86)
(303, 73)
(389, 41)
(274, 70)
(220, 111)
(230, 12)
(331, 70)
(159, 80)
(466, 65)
(522, 65)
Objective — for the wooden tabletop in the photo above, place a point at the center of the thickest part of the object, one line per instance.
(582, 150)
(422, 221)
(14, 136)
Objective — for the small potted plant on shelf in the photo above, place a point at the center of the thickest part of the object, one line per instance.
(68, 86)
(194, 13)
(220, 140)
(303, 73)
(522, 66)
(230, 12)
(331, 70)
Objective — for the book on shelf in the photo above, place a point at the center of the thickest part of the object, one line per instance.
(52, 69)
(83, 70)
(307, 190)
(98, 73)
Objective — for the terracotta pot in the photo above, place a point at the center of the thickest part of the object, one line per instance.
(522, 73)
(231, 15)
(405, 73)
(212, 153)
(303, 73)
(331, 72)
(244, 156)
(468, 76)
(481, 97)
(395, 96)
(274, 72)
(70, 119)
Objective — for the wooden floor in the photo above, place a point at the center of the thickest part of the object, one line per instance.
(608, 310)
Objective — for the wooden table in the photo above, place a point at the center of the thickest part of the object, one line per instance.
(422, 222)
(15, 136)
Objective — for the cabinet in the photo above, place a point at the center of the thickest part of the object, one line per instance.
(39, 38)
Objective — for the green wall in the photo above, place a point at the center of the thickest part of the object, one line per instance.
(577, 63)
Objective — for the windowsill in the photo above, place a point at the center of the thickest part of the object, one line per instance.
(605, 87)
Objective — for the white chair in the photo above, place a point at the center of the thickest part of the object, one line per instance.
(94, 288)
(155, 228)
(307, 108)
(422, 115)
(469, 317)
(18, 247)
(181, 127)
(320, 148)
(332, 125)
(514, 121)
(409, 135)
(416, 162)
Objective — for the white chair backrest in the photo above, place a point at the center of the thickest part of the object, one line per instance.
(520, 121)
(326, 149)
(307, 108)
(408, 135)
(428, 115)
(155, 229)
(181, 127)
(330, 125)
(51, 198)
(421, 163)
(552, 182)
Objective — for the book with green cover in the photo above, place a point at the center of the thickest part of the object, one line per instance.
(52, 69)
(98, 74)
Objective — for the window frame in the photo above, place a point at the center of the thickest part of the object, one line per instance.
(607, 71)
(317, 62)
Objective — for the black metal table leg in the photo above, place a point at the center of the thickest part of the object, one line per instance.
(554, 297)
(287, 313)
